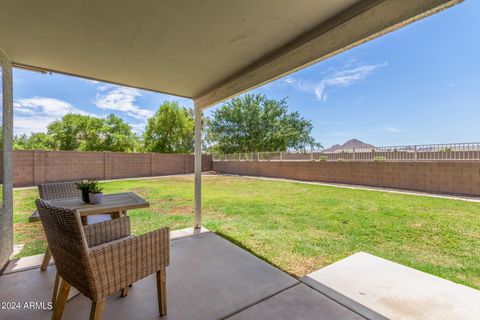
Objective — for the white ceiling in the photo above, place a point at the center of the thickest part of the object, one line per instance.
(178, 47)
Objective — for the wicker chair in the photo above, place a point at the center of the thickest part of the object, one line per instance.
(102, 270)
(96, 234)
(61, 190)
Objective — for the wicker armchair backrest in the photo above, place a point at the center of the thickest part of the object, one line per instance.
(67, 243)
(59, 190)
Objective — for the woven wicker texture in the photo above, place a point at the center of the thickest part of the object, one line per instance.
(104, 269)
(59, 190)
(107, 231)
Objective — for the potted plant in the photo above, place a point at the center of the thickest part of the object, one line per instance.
(85, 186)
(96, 194)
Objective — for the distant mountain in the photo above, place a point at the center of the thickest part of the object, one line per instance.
(350, 144)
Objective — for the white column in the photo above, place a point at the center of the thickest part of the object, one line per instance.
(6, 213)
(198, 167)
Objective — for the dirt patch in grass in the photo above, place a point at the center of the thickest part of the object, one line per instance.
(181, 210)
(300, 266)
(170, 206)
(29, 231)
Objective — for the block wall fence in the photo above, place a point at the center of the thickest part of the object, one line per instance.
(448, 177)
(31, 168)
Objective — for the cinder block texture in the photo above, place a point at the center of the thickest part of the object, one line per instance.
(449, 177)
(31, 168)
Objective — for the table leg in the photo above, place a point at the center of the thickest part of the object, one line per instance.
(116, 215)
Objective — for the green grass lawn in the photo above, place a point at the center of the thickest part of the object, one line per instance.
(303, 227)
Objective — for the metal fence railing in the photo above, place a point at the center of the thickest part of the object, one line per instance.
(448, 151)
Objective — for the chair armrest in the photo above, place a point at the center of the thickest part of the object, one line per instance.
(107, 231)
(120, 263)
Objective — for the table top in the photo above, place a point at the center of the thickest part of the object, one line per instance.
(114, 202)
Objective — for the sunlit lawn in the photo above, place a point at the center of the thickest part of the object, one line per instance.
(303, 227)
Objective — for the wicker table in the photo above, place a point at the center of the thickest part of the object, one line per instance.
(118, 203)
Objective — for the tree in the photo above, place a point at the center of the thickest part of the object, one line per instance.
(170, 130)
(110, 134)
(254, 123)
(68, 132)
(34, 141)
(87, 133)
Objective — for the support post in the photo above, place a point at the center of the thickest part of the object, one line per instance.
(6, 213)
(198, 167)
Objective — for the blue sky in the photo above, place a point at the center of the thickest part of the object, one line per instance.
(417, 85)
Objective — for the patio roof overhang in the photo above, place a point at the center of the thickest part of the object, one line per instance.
(208, 50)
(205, 50)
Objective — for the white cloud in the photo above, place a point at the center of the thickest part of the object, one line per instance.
(138, 127)
(45, 105)
(90, 81)
(34, 114)
(289, 80)
(342, 78)
(121, 99)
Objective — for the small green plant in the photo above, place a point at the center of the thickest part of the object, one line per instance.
(89, 186)
(340, 160)
(95, 188)
(323, 158)
(379, 158)
(446, 150)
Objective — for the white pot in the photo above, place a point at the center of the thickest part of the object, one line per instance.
(95, 198)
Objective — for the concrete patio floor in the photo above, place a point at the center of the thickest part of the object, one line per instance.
(394, 290)
(208, 278)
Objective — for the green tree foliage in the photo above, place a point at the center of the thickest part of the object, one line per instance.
(69, 132)
(110, 134)
(34, 141)
(254, 123)
(84, 133)
(170, 130)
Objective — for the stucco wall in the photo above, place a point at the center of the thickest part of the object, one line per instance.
(452, 177)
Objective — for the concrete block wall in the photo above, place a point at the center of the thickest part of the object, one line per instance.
(35, 167)
(449, 177)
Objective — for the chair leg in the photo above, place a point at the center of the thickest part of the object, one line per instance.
(61, 300)
(46, 260)
(96, 313)
(162, 292)
(124, 292)
(55, 290)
